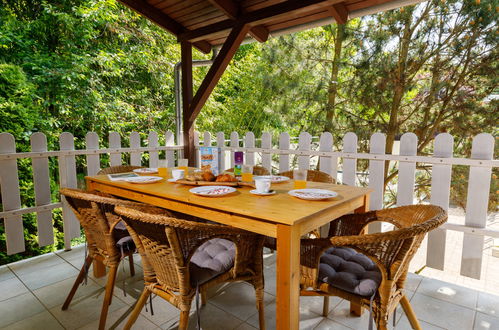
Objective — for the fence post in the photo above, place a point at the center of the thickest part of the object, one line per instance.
(135, 157)
(67, 177)
(153, 141)
(221, 144)
(349, 164)
(440, 192)
(283, 158)
(170, 154)
(304, 141)
(407, 170)
(376, 176)
(93, 161)
(207, 139)
(115, 143)
(11, 198)
(234, 143)
(476, 205)
(249, 142)
(196, 146)
(328, 164)
(41, 181)
(267, 156)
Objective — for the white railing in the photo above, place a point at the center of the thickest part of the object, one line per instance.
(304, 152)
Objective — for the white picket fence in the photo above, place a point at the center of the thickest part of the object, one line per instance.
(480, 167)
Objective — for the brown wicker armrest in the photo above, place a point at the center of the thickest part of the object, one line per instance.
(352, 224)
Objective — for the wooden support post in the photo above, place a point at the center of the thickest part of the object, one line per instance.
(218, 67)
(188, 125)
(339, 13)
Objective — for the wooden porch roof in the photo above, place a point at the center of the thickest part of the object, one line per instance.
(207, 23)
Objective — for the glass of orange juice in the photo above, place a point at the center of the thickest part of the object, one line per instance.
(247, 173)
(183, 164)
(163, 172)
(300, 179)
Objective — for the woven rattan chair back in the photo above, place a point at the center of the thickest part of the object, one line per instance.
(313, 175)
(160, 250)
(95, 223)
(118, 169)
(257, 170)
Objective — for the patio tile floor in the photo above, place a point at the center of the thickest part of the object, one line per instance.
(34, 290)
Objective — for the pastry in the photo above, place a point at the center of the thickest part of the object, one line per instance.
(208, 176)
(226, 178)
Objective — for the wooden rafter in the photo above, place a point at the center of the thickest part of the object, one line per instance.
(163, 20)
(339, 13)
(228, 7)
(257, 17)
(233, 11)
(218, 67)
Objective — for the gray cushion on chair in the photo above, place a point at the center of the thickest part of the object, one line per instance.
(212, 258)
(350, 271)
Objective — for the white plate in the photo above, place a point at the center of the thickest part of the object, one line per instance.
(173, 180)
(255, 192)
(147, 170)
(144, 179)
(212, 191)
(273, 178)
(313, 194)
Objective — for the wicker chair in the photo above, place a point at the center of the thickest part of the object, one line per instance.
(107, 238)
(257, 170)
(368, 270)
(118, 169)
(175, 263)
(313, 175)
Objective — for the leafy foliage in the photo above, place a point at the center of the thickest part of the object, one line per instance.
(94, 65)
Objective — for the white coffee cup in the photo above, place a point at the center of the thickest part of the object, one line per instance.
(177, 174)
(262, 185)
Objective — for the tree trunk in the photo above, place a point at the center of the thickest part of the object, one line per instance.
(398, 93)
(333, 82)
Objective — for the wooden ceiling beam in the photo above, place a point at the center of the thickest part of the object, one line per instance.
(339, 13)
(233, 11)
(260, 33)
(228, 7)
(218, 67)
(163, 20)
(257, 17)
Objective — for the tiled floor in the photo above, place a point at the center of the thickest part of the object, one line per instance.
(32, 293)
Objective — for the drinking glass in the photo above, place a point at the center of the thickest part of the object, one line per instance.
(162, 169)
(183, 164)
(300, 179)
(247, 173)
(163, 172)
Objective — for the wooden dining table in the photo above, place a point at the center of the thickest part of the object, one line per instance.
(280, 215)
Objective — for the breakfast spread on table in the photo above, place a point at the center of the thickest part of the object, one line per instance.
(207, 178)
(219, 185)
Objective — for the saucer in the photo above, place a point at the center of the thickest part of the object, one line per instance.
(255, 192)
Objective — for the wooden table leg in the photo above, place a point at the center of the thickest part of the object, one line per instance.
(288, 278)
(356, 309)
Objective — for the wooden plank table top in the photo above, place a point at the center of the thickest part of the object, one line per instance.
(282, 216)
